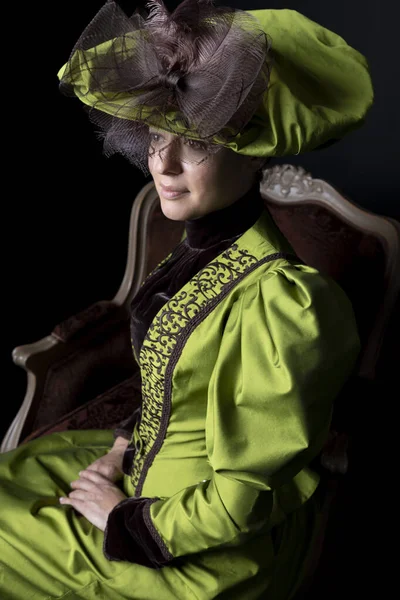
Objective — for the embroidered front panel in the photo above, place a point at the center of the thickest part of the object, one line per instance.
(165, 339)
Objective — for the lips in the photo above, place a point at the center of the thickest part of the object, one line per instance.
(169, 192)
(170, 188)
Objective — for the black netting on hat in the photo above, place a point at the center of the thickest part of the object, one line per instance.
(199, 73)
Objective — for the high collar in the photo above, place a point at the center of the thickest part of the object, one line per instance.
(226, 223)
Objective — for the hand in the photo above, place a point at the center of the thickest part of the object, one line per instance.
(110, 465)
(94, 496)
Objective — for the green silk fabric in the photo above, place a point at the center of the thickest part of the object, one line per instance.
(320, 88)
(262, 370)
(47, 551)
(245, 394)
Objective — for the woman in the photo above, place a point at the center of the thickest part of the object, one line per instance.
(206, 492)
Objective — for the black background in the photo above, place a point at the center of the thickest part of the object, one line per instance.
(67, 207)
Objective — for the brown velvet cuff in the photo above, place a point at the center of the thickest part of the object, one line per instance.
(130, 535)
(125, 428)
(127, 460)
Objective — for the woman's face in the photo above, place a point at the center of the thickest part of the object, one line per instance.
(203, 186)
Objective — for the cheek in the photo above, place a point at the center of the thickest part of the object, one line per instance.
(209, 184)
(150, 164)
(195, 179)
(205, 177)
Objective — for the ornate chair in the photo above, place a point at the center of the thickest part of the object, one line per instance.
(83, 375)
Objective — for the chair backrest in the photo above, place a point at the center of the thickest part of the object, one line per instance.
(357, 248)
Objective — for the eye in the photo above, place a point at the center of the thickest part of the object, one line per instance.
(196, 145)
(155, 137)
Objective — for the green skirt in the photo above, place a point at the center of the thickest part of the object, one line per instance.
(49, 551)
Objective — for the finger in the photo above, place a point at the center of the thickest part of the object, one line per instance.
(106, 470)
(94, 476)
(88, 510)
(75, 502)
(64, 500)
(84, 484)
(79, 505)
(82, 495)
(103, 468)
(94, 467)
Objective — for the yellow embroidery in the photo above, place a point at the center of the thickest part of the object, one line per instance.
(164, 341)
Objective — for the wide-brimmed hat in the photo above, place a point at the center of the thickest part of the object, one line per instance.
(262, 82)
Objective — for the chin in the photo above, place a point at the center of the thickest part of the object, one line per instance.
(176, 210)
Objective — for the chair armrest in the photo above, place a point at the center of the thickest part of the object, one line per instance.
(78, 324)
(31, 356)
(68, 355)
(104, 412)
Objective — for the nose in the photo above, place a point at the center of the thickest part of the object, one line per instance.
(168, 160)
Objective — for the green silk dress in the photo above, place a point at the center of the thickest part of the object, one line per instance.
(239, 370)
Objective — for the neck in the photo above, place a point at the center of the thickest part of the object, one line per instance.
(226, 223)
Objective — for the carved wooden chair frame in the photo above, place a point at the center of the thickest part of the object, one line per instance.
(293, 185)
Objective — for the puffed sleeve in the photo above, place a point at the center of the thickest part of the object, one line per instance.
(289, 344)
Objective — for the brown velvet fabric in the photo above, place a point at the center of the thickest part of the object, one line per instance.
(104, 412)
(82, 321)
(97, 365)
(126, 426)
(128, 538)
(162, 234)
